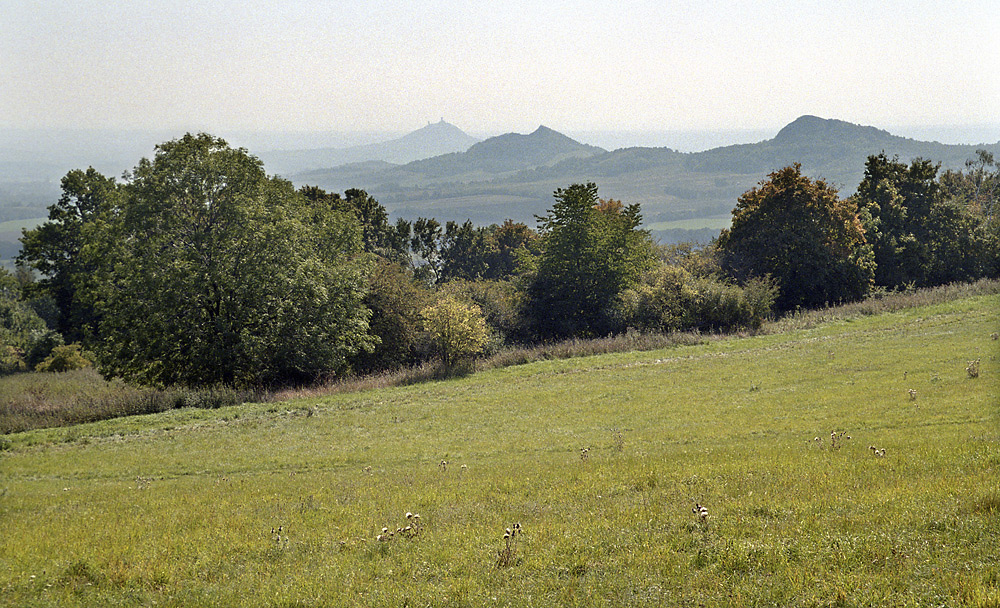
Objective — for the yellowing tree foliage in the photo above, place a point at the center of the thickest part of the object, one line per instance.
(458, 330)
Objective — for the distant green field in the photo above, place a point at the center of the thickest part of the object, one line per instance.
(717, 222)
(10, 232)
(600, 460)
(14, 226)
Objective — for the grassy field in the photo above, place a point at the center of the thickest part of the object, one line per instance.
(600, 460)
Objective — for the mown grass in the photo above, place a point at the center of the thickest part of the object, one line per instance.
(178, 508)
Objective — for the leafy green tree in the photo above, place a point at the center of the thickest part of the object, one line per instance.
(465, 251)
(803, 235)
(213, 272)
(922, 233)
(591, 250)
(24, 337)
(395, 300)
(425, 242)
(377, 235)
(55, 249)
(978, 186)
(500, 302)
(457, 330)
(509, 245)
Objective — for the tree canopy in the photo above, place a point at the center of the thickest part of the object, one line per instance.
(802, 234)
(591, 250)
(212, 272)
(923, 233)
(55, 248)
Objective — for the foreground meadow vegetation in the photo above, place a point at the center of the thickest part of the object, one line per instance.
(600, 460)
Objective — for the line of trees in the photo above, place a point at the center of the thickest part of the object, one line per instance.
(197, 268)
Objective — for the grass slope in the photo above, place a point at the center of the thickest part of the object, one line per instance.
(281, 504)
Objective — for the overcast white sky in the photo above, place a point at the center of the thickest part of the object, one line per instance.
(492, 67)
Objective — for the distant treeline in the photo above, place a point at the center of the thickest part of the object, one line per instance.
(199, 269)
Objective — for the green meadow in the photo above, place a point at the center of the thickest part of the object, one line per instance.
(601, 460)
(715, 222)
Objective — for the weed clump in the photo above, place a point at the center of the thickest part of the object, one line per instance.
(619, 439)
(836, 440)
(973, 368)
(507, 556)
(701, 511)
(877, 452)
(411, 530)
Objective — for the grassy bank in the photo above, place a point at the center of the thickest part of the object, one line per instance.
(600, 459)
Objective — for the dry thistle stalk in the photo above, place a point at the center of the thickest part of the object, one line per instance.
(619, 439)
(973, 369)
(701, 511)
(837, 439)
(412, 528)
(507, 555)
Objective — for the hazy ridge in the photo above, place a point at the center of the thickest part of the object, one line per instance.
(441, 171)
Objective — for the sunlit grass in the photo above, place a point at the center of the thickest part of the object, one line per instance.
(178, 508)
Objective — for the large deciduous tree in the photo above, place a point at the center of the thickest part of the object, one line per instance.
(801, 233)
(591, 251)
(213, 272)
(55, 249)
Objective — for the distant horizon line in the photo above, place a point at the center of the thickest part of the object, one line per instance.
(680, 139)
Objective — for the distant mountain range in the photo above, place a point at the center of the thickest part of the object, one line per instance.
(440, 171)
(433, 140)
(513, 175)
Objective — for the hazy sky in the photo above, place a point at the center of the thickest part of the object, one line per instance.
(496, 66)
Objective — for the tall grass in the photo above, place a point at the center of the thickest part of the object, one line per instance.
(43, 400)
(883, 302)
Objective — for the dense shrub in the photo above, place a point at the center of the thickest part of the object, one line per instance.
(721, 306)
(500, 303)
(669, 298)
(456, 331)
(65, 358)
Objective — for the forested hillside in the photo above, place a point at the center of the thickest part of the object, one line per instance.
(516, 179)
